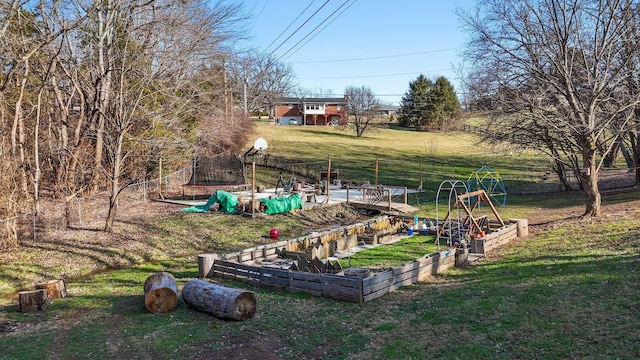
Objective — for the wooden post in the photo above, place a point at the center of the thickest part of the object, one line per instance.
(160, 293)
(406, 200)
(389, 198)
(205, 265)
(160, 179)
(462, 257)
(376, 174)
(55, 288)
(420, 187)
(522, 226)
(219, 301)
(33, 300)
(347, 194)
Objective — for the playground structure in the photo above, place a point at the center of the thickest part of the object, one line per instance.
(459, 226)
(487, 179)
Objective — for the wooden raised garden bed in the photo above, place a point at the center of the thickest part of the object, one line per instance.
(259, 266)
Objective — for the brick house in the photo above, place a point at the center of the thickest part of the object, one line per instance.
(310, 111)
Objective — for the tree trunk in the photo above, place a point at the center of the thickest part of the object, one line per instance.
(635, 146)
(160, 293)
(219, 301)
(560, 169)
(106, 24)
(33, 300)
(55, 288)
(609, 159)
(115, 184)
(18, 133)
(592, 196)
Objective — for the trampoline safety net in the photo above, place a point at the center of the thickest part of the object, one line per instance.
(221, 169)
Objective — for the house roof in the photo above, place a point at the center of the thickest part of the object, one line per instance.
(294, 100)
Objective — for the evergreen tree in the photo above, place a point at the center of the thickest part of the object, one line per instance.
(445, 103)
(413, 107)
(428, 104)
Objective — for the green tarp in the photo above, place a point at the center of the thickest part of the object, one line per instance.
(228, 203)
(282, 204)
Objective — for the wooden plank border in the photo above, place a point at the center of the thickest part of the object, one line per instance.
(346, 288)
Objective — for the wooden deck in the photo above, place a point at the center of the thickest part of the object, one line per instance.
(385, 207)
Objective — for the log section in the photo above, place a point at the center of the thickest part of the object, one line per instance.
(33, 300)
(160, 293)
(219, 301)
(55, 288)
(205, 265)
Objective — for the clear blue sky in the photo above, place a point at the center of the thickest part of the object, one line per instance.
(382, 44)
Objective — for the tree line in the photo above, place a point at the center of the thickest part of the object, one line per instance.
(561, 77)
(94, 93)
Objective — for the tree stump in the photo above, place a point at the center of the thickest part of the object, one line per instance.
(160, 293)
(219, 301)
(55, 288)
(522, 227)
(205, 265)
(33, 300)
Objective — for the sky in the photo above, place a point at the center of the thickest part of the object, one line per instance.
(381, 44)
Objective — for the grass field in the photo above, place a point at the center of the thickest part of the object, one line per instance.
(568, 291)
(405, 157)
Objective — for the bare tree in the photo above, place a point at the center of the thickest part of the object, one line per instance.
(257, 78)
(156, 63)
(558, 67)
(362, 106)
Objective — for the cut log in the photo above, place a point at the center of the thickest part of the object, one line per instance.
(33, 300)
(205, 265)
(55, 288)
(522, 226)
(160, 293)
(219, 301)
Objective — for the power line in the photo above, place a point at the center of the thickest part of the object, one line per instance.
(260, 13)
(373, 57)
(373, 76)
(321, 30)
(314, 29)
(299, 27)
(290, 24)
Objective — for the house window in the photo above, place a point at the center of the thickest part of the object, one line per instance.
(312, 106)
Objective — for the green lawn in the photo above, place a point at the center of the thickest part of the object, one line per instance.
(393, 255)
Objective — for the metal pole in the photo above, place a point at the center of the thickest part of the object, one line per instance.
(253, 186)
(328, 176)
